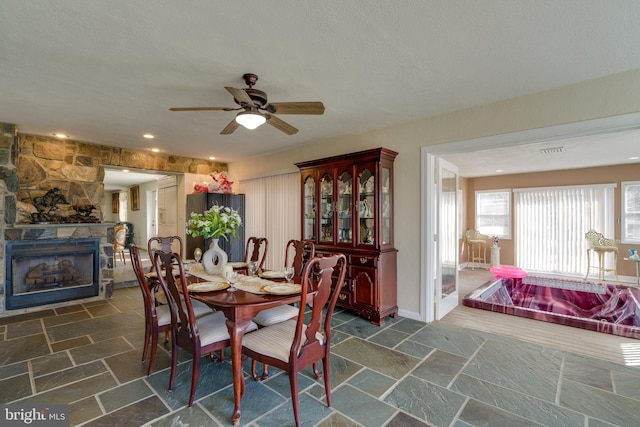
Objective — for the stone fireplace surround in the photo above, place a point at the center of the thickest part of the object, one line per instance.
(30, 165)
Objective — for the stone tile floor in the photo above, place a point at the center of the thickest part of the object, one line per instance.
(406, 373)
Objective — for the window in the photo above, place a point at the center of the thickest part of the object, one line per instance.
(550, 224)
(631, 212)
(493, 213)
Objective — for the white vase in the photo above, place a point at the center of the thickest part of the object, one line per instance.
(214, 258)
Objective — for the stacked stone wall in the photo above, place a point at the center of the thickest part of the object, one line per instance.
(77, 168)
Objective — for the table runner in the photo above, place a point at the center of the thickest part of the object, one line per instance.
(252, 284)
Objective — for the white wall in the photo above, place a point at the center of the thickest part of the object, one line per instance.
(609, 96)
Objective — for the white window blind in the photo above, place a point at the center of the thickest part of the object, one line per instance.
(273, 211)
(550, 224)
(493, 213)
(631, 212)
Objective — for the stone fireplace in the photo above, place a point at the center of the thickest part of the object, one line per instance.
(40, 272)
(36, 271)
(34, 167)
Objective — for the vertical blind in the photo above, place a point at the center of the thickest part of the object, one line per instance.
(550, 224)
(273, 211)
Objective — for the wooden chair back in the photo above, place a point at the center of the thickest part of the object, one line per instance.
(256, 250)
(119, 241)
(165, 244)
(298, 253)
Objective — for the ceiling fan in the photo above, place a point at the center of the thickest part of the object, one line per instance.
(256, 110)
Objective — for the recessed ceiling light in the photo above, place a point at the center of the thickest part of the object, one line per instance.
(212, 158)
(125, 170)
(634, 158)
(498, 170)
(155, 150)
(148, 136)
(60, 135)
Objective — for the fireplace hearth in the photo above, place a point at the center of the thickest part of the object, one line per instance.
(40, 272)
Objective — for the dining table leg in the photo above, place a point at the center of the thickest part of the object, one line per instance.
(236, 332)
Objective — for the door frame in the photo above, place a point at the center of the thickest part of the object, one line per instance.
(428, 153)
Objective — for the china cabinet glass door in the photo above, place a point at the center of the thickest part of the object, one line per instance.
(345, 214)
(366, 207)
(326, 209)
(386, 207)
(309, 218)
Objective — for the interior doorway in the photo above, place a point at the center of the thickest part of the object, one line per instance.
(429, 154)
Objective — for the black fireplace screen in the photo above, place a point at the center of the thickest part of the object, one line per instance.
(48, 271)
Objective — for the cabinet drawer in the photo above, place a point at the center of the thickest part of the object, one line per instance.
(345, 297)
(363, 261)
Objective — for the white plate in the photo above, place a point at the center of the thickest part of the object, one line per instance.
(237, 264)
(272, 274)
(282, 289)
(207, 286)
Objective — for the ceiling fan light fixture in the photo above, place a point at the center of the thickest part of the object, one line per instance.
(250, 119)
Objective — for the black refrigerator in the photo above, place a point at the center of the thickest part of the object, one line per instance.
(198, 203)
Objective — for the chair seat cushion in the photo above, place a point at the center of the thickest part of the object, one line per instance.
(164, 314)
(275, 341)
(477, 242)
(213, 328)
(274, 315)
(605, 248)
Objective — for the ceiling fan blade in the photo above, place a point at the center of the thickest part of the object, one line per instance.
(281, 125)
(203, 109)
(240, 95)
(230, 128)
(296, 107)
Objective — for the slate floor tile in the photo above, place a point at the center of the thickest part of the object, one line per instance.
(585, 373)
(389, 362)
(133, 415)
(361, 407)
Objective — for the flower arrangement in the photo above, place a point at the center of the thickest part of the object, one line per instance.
(495, 240)
(220, 184)
(219, 221)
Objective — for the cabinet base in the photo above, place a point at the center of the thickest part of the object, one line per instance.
(375, 317)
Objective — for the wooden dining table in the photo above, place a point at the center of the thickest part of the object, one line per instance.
(239, 307)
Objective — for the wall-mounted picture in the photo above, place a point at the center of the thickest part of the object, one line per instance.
(134, 195)
(115, 202)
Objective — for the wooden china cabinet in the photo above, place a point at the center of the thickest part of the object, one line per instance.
(347, 207)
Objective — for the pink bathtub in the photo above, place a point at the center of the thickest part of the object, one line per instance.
(604, 308)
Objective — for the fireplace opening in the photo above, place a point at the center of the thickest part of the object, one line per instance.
(40, 272)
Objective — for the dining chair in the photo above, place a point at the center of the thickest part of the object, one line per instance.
(119, 241)
(601, 245)
(256, 250)
(298, 252)
(157, 317)
(197, 335)
(293, 345)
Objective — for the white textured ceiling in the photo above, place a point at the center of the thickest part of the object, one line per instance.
(108, 71)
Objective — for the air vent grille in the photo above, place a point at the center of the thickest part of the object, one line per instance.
(553, 150)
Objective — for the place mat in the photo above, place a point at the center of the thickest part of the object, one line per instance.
(237, 264)
(272, 274)
(282, 289)
(208, 286)
(252, 284)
